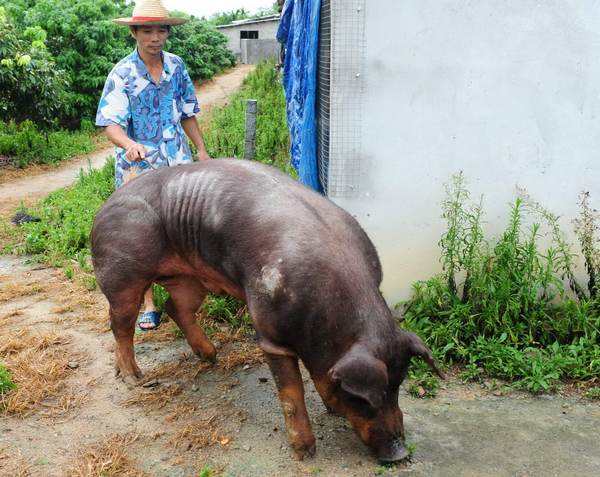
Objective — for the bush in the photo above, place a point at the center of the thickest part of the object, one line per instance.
(203, 49)
(511, 317)
(85, 44)
(26, 144)
(28, 71)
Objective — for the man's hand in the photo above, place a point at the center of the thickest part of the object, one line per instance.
(135, 153)
(203, 156)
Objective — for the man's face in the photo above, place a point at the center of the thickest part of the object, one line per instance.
(151, 39)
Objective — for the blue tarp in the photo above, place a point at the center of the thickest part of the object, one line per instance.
(299, 33)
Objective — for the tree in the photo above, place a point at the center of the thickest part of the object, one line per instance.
(31, 84)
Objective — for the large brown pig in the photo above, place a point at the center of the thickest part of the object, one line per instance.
(306, 269)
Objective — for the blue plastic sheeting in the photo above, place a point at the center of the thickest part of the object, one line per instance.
(299, 33)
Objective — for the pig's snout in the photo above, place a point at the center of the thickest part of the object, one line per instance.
(394, 451)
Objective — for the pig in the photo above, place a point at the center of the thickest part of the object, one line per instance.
(306, 269)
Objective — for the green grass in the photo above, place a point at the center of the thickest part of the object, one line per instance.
(510, 315)
(224, 136)
(6, 383)
(67, 215)
(593, 393)
(25, 144)
(206, 472)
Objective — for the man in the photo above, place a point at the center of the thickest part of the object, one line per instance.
(147, 105)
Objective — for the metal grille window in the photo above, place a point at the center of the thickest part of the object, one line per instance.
(340, 96)
(323, 94)
(249, 35)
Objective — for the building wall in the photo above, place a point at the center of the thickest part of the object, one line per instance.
(255, 51)
(507, 92)
(266, 31)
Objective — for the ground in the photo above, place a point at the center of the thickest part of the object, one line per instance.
(71, 416)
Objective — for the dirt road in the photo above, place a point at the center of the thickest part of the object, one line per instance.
(31, 187)
(192, 416)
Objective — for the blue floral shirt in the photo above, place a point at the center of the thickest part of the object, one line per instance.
(151, 113)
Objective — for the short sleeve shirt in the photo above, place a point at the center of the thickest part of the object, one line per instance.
(150, 112)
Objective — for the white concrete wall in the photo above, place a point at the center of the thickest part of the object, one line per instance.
(506, 91)
(266, 31)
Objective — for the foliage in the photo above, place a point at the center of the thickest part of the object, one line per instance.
(422, 383)
(593, 393)
(84, 43)
(206, 472)
(25, 144)
(226, 133)
(225, 18)
(6, 383)
(27, 71)
(203, 48)
(512, 317)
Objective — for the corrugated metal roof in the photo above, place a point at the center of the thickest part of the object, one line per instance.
(249, 21)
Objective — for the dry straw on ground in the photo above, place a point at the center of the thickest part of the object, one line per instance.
(13, 464)
(39, 366)
(106, 459)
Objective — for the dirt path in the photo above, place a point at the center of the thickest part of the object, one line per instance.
(30, 188)
(227, 418)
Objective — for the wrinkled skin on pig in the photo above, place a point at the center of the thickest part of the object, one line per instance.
(306, 269)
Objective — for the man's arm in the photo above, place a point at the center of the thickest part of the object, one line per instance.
(133, 150)
(190, 126)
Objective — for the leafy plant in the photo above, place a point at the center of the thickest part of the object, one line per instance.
(593, 393)
(6, 383)
(27, 70)
(511, 316)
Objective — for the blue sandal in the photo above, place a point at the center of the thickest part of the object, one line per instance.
(151, 318)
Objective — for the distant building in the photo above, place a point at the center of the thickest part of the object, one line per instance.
(253, 40)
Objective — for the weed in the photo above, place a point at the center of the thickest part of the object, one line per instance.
(422, 384)
(411, 448)
(205, 472)
(514, 319)
(26, 144)
(6, 383)
(224, 135)
(593, 393)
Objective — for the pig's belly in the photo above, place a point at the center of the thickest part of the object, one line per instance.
(175, 269)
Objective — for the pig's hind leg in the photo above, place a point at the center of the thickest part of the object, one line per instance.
(124, 308)
(186, 297)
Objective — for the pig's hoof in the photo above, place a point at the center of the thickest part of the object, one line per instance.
(305, 451)
(131, 380)
(209, 355)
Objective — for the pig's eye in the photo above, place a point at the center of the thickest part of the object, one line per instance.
(361, 405)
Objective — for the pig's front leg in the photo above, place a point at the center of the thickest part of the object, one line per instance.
(291, 395)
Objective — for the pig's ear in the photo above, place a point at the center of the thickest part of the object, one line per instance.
(416, 347)
(362, 375)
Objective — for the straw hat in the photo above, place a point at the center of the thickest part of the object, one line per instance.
(150, 12)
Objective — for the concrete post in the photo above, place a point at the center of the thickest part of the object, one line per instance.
(250, 142)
